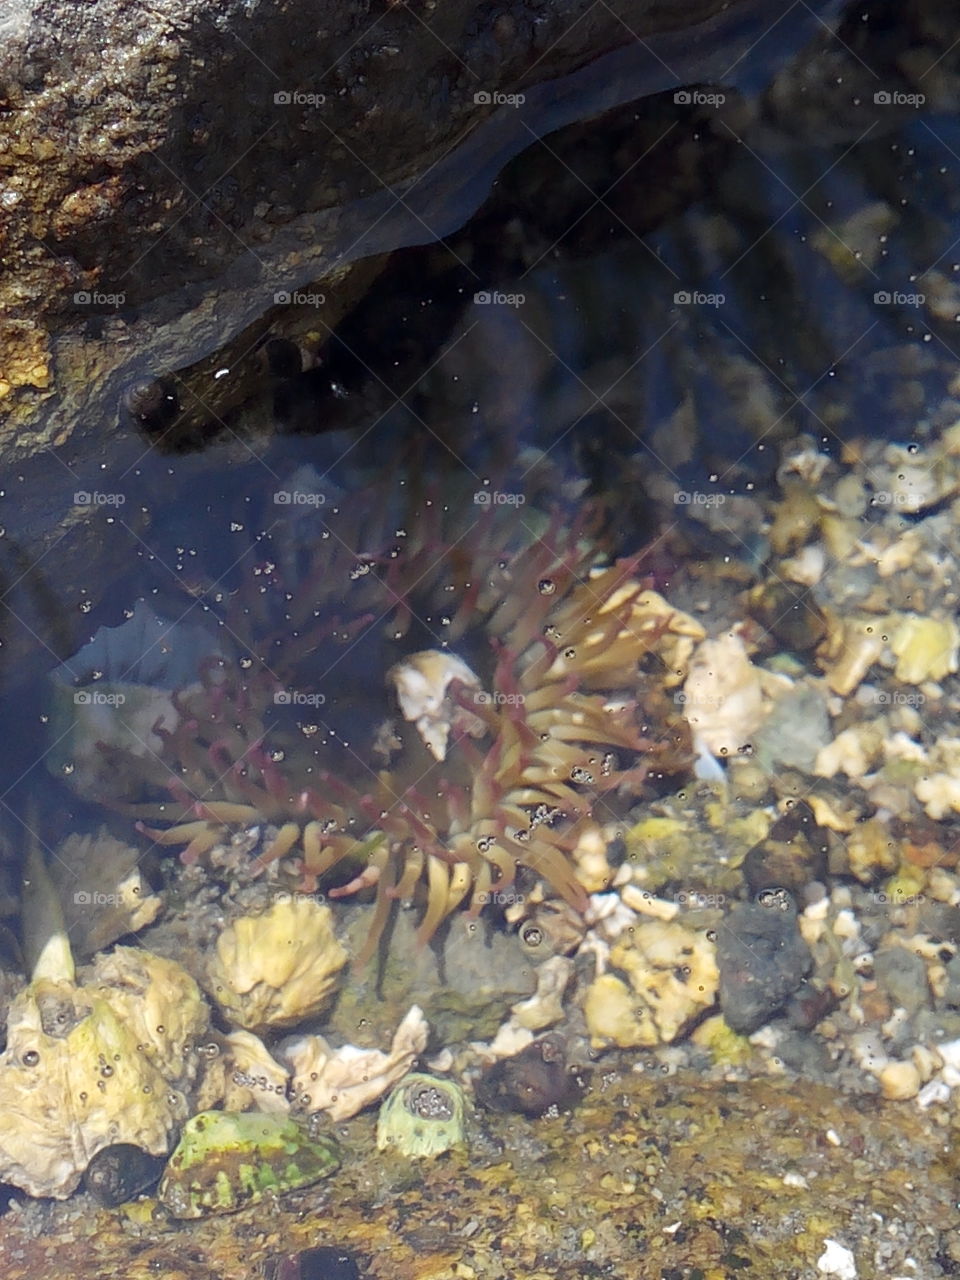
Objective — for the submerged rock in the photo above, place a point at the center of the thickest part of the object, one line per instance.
(762, 959)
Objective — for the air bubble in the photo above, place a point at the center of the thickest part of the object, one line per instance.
(546, 586)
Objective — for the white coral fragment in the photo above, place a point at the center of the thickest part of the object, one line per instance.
(723, 695)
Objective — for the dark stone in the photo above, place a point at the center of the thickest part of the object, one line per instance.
(762, 959)
(793, 853)
(324, 1263)
(531, 1081)
(118, 1173)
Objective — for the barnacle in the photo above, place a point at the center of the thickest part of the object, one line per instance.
(513, 762)
(423, 1116)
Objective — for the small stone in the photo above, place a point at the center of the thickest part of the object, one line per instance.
(836, 1260)
(762, 959)
(903, 976)
(899, 1081)
(925, 648)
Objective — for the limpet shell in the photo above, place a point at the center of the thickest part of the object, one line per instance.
(226, 1160)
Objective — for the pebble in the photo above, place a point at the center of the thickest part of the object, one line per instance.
(762, 960)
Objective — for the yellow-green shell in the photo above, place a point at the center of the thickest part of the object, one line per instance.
(226, 1160)
(423, 1116)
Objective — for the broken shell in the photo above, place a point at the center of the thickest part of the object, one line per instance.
(227, 1160)
(343, 1081)
(239, 1075)
(279, 968)
(421, 682)
(423, 1116)
(723, 695)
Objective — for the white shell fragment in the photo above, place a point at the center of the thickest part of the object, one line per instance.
(343, 1081)
(836, 1260)
(421, 682)
(723, 695)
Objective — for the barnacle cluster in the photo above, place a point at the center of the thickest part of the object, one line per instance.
(283, 732)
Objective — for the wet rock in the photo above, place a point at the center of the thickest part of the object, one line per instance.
(325, 1263)
(114, 140)
(952, 992)
(902, 974)
(219, 184)
(762, 959)
(793, 853)
(532, 1081)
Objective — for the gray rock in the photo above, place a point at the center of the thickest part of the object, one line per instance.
(181, 170)
(903, 976)
(762, 959)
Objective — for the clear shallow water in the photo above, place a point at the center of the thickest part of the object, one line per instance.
(604, 380)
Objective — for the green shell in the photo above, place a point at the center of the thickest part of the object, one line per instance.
(423, 1116)
(226, 1160)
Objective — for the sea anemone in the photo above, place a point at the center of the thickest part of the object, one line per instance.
(279, 730)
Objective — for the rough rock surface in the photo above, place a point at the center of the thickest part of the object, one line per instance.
(169, 171)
